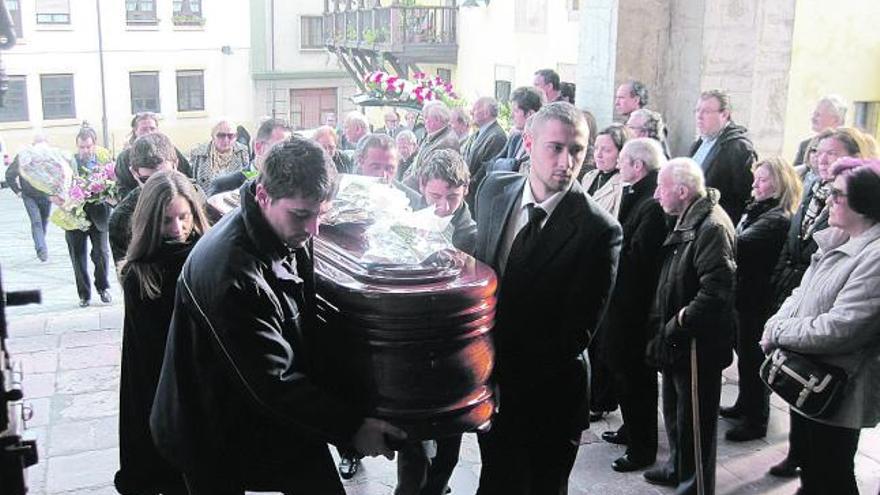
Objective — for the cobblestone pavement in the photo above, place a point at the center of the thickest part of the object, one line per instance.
(70, 359)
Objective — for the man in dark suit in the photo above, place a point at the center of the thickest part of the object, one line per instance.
(483, 145)
(78, 241)
(724, 152)
(623, 335)
(525, 101)
(555, 251)
(547, 82)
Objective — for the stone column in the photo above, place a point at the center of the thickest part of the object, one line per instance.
(597, 59)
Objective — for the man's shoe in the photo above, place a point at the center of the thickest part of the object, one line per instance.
(625, 463)
(105, 296)
(744, 433)
(788, 468)
(615, 437)
(43, 256)
(732, 412)
(660, 476)
(348, 467)
(84, 303)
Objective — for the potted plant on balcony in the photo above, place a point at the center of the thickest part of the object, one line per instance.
(188, 20)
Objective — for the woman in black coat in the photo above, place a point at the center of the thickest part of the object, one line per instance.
(166, 223)
(759, 238)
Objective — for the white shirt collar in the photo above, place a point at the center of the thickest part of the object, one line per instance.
(548, 205)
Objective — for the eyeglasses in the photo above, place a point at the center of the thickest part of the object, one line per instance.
(225, 135)
(837, 195)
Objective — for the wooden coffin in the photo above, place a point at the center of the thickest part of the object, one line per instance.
(411, 343)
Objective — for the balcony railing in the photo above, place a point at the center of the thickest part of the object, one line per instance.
(422, 32)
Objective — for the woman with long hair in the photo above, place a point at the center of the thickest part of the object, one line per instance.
(167, 221)
(760, 234)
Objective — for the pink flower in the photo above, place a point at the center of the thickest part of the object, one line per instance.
(96, 187)
(76, 193)
(111, 171)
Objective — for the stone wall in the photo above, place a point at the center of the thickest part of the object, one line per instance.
(682, 47)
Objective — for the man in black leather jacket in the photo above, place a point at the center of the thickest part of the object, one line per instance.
(240, 404)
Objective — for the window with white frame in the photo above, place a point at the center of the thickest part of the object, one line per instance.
(56, 91)
(15, 107)
(14, 8)
(190, 90)
(53, 11)
(144, 88)
(140, 12)
(311, 32)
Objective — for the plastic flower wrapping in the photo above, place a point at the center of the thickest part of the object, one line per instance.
(47, 169)
(392, 233)
(50, 171)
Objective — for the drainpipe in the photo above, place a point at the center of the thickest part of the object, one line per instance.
(104, 133)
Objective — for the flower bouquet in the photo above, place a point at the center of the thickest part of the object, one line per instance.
(96, 184)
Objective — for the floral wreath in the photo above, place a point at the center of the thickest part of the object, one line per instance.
(421, 89)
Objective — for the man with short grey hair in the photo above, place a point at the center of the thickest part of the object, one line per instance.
(407, 144)
(484, 145)
(624, 333)
(830, 112)
(644, 123)
(629, 97)
(461, 124)
(439, 136)
(354, 127)
(692, 319)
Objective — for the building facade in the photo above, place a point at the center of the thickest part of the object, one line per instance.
(187, 60)
(294, 77)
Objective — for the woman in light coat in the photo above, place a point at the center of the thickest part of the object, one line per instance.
(834, 318)
(603, 183)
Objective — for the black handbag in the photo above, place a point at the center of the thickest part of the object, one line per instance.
(812, 388)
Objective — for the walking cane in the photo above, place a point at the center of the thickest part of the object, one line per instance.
(695, 413)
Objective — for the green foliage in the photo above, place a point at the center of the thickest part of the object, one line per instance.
(504, 116)
(188, 20)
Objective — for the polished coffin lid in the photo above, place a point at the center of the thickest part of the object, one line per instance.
(411, 342)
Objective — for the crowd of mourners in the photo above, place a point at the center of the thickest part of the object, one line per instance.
(615, 261)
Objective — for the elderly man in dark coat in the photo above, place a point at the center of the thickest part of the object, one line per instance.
(724, 152)
(693, 313)
(484, 145)
(623, 335)
(439, 136)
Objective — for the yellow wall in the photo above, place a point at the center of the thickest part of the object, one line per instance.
(836, 49)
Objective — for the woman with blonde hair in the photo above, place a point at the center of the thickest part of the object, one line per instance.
(222, 155)
(167, 221)
(760, 234)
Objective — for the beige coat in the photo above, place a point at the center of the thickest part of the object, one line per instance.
(608, 196)
(834, 316)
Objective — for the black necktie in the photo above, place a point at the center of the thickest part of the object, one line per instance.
(527, 238)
